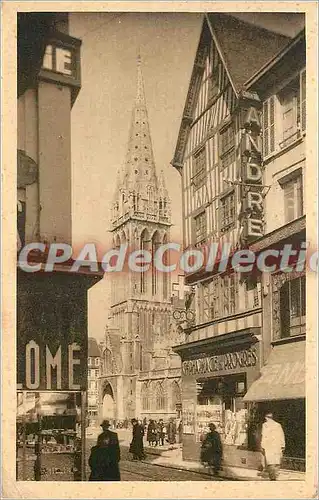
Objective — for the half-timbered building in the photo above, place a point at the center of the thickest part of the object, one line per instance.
(219, 156)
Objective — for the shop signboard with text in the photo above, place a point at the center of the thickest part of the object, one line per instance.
(229, 362)
(52, 340)
(51, 378)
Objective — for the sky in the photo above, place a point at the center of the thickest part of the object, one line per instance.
(101, 114)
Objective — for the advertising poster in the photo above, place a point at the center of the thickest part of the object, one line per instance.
(206, 414)
(189, 418)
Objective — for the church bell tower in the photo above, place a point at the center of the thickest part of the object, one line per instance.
(140, 301)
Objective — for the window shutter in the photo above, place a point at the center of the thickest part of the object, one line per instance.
(269, 126)
(265, 129)
(303, 100)
(272, 123)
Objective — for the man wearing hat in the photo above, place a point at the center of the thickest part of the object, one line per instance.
(272, 444)
(112, 436)
(105, 456)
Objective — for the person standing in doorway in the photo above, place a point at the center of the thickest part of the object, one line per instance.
(136, 446)
(212, 450)
(273, 445)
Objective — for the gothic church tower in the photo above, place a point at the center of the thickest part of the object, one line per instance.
(138, 337)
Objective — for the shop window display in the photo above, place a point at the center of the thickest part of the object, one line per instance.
(49, 444)
(221, 401)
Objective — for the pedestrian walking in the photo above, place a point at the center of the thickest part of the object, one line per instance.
(180, 431)
(105, 456)
(273, 445)
(161, 432)
(151, 433)
(171, 433)
(212, 450)
(136, 446)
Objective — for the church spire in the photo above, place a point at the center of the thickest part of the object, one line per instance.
(140, 94)
(140, 164)
(141, 194)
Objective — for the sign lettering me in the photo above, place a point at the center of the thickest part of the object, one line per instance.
(41, 360)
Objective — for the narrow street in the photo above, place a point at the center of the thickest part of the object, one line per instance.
(145, 471)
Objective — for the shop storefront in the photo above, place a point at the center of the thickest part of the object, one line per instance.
(281, 390)
(49, 436)
(51, 376)
(216, 374)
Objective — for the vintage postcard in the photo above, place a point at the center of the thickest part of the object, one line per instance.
(159, 250)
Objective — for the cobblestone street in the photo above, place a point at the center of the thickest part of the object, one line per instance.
(146, 471)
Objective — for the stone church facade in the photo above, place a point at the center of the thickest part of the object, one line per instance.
(140, 372)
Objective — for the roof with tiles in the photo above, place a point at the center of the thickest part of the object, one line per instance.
(244, 47)
(93, 348)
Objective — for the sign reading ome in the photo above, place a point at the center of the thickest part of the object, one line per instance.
(57, 370)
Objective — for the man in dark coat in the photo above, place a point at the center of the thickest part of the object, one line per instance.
(161, 433)
(212, 450)
(136, 446)
(151, 433)
(105, 456)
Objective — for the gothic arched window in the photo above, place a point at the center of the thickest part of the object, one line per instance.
(160, 397)
(144, 246)
(161, 207)
(165, 274)
(176, 395)
(155, 246)
(108, 363)
(145, 396)
(151, 200)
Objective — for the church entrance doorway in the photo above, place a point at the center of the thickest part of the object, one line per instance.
(108, 402)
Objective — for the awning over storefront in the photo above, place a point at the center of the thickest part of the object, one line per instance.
(283, 377)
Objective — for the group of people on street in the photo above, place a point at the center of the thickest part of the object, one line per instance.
(159, 432)
(105, 455)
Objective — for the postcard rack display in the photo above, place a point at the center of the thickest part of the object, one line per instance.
(221, 402)
(49, 437)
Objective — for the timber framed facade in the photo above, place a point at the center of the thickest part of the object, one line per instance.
(226, 129)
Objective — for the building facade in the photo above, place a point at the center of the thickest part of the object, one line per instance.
(52, 305)
(220, 154)
(140, 372)
(94, 372)
(281, 86)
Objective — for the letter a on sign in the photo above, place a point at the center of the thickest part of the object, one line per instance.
(252, 119)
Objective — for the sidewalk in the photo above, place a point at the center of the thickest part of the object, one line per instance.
(172, 458)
